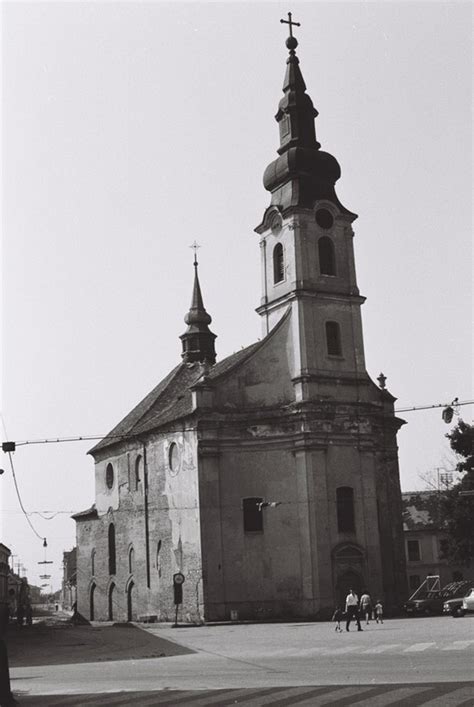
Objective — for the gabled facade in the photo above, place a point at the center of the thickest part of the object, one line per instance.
(269, 479)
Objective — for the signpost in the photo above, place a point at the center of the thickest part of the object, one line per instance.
(178, 580)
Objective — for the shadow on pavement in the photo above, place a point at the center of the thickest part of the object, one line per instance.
(62, 643)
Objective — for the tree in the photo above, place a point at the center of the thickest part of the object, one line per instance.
(455, 507)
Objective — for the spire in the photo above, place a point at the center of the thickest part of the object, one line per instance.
(310, 172)
(296, 112)
(198, 340)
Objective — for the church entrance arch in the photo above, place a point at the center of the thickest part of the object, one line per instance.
(348, 580)
(131, 601)
(91, 602)
(348, 571)
(111, 601)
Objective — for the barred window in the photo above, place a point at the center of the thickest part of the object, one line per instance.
(278, 265)
(333, 339)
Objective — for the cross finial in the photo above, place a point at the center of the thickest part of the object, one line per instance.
(195, 247)
(290, 22)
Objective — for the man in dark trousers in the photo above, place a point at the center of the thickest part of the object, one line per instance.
(6, 696)
(352, 609)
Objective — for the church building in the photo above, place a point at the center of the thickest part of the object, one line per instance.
(269, 480)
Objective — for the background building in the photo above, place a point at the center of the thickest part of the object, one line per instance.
(423, 540)
(68, 588)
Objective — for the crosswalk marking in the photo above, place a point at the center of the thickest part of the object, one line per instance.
(362, 695)
(455, 698)
(396, 695)
(418, 647)
(458, 645)
(382, 648)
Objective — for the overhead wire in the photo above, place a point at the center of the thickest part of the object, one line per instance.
(134, 435)
(25, 513)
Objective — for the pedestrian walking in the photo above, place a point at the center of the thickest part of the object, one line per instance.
(366, 606)
(379, 612)
(352, 609)
(337, 616)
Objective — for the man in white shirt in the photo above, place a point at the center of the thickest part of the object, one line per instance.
(352, 612)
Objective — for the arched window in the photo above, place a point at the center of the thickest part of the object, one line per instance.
(138, 471)
(333, 339)
(327, 257)
(91, 602)
(278, 266)
(112, 563)
(131, 560)
(93, 562)
(158, 560)
(111, 601)
(345, 509)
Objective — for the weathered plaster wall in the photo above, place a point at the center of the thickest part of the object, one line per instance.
(264, 379)
(173, 534)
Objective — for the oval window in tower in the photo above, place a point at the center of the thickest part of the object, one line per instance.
(174, 459)
(324, 218)
(109, 476)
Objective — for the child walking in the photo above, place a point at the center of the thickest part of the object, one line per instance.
(379, 612)
(337, 616)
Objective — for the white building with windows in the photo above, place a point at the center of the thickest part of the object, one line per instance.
(269, 479)
(423, 542)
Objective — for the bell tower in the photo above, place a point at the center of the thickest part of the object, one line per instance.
(307, 254)
(198, 339)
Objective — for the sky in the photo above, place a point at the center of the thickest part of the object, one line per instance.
(129, 130)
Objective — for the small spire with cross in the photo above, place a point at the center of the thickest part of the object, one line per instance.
(195, 247)
(291, 42)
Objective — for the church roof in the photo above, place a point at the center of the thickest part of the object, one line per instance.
(85, 515)
(170, 391)
(171, 399)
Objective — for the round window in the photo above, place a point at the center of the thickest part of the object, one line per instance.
(109, 476)
(324, 218)
(174, 458)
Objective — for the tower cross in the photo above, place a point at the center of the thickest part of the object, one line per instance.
(290, 22)
(195, 247)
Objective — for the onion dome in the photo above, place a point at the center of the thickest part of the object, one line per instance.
(303, 173)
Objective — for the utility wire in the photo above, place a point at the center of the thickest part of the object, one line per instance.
(18, 492)
(133, 435)
(20, 501)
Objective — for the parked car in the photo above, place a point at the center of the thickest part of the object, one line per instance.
(468, 603)
(454, 607)
(433, 601)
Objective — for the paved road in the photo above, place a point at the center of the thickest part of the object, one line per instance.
(427, 695)
(279, 664)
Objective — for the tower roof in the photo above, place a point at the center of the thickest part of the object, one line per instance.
(302, 173)
(198, 340)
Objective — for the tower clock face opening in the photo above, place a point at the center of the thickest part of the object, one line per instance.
(324, 218)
